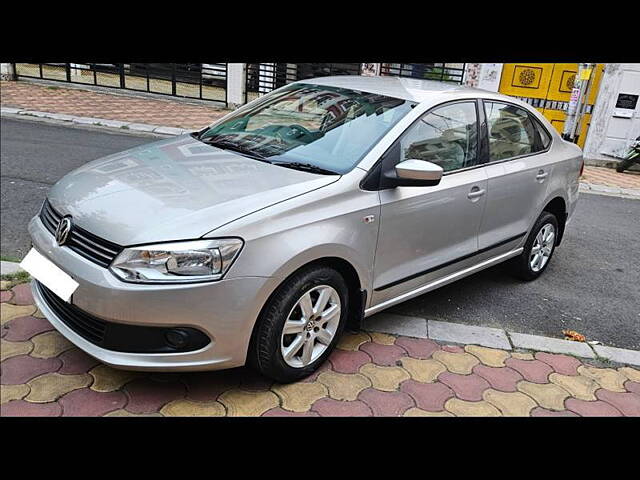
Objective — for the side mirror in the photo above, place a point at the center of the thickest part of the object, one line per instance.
(416, 173)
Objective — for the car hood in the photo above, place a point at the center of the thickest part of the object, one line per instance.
(175, 189)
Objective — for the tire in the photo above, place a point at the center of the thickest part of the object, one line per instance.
(522, 265)
(318, 334)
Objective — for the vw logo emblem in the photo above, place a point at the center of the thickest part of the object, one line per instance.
(62, 232)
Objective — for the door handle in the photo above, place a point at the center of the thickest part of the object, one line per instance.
(542, 175)
(475, 193)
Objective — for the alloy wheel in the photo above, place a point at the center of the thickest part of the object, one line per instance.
(542, 247)
(311, 326)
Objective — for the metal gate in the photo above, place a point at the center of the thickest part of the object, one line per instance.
(442, 72)
(265, 77)
(204, 81)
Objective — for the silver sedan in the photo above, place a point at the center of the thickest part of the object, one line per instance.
(260, 238)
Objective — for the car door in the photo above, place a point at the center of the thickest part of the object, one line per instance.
(423, 228)
(517, 170)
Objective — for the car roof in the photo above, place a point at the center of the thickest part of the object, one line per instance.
(413, 89)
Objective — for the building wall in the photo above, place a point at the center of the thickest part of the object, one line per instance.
(611, 133)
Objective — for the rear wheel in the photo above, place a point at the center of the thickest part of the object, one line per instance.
(300, 325)
(538, 249)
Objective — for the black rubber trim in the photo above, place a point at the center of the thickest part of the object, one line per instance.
(120, 337)
(460, 259)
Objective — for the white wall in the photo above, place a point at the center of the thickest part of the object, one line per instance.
(610, 136)
(7, 72)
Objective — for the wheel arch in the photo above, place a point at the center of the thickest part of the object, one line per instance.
(558, 207)
(357, 294)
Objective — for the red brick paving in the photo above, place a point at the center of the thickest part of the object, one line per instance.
(110, 106)
(88, 403)
(20, 408)
(387, 355)
(347, 361)
(532, 370)
(466, 387)
(591, 409)
(22, 368)
(543, 412)
(627, 403)
(24, 328)
(562, 364)
(453, 349)
(281, 412)
(22, 295)
(428, 396)
(420, 348)
(633, 387)
(147, 396)
(611, 178)
(5, 295)
(500, 378)
(207, 386)
(386, 404)
(328, 407)
(76, 362)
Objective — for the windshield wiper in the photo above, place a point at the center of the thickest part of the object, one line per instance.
(307, 167)
(236, 148)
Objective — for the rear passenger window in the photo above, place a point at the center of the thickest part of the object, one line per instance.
(511, 131)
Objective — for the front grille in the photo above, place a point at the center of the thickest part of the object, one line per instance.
(120, 337)
(91, 247)
(85, 325)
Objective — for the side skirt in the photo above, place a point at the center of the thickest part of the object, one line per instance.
(443, 281)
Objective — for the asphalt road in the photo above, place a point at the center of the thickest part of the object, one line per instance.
(592, 284)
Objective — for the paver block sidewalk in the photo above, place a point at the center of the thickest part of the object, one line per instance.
(120, 107)
(369, 374)
(610, 178)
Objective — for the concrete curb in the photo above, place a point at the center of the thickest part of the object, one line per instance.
(458, 333)
(9, 268)
(610, 191)
(97, 122)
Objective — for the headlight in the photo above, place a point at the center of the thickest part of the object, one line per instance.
(179, 262)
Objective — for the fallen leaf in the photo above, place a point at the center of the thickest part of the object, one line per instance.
(573, 335)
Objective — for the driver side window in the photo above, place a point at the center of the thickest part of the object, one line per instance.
(446, 136)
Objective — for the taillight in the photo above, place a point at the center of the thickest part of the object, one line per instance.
(581, 167)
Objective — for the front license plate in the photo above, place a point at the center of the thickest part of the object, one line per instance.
(43, 270)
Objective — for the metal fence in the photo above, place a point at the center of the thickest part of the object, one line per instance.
(442, 72)
(205, 81)
(265, 77)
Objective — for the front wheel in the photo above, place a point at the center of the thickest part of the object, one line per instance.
(538, 249)
(300, 325)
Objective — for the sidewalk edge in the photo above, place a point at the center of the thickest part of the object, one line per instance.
(95, 122)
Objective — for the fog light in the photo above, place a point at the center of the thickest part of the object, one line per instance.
(177, 338)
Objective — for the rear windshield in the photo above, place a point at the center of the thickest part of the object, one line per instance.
(328, 127)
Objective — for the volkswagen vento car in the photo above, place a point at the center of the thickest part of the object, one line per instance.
(258, 239)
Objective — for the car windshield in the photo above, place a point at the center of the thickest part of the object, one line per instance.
(312, 127)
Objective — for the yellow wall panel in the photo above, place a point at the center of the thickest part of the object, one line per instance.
(526, 79)
(561, 84)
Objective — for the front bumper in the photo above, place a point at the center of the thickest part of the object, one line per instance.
(225, 310)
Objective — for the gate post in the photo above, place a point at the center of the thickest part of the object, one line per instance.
(236, 84)
(7, 71)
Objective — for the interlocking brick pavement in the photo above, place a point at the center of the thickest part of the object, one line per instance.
(108, 106)
(367, 375)
(610, 178)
